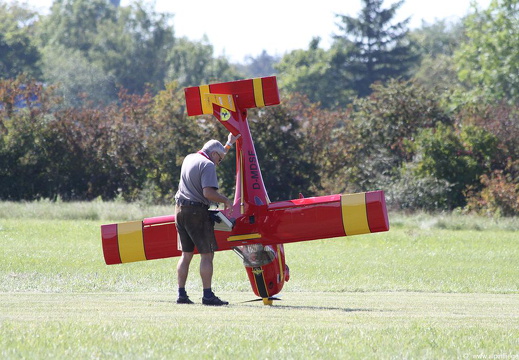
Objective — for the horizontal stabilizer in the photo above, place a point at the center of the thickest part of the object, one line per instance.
(243, 94)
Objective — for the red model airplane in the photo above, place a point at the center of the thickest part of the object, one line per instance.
(260, 227)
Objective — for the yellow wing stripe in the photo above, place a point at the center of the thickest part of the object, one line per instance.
(258, 92)
(223, 100)
(207, 107)
(131, 244)
(354, 215)
(244, 237)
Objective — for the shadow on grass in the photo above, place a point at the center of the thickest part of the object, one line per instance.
(275, 306)
(319, 308)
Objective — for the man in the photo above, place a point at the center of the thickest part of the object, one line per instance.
(198, 187)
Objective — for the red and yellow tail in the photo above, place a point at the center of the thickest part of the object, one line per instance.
(242, 94)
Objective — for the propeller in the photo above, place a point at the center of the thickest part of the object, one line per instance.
(266, 301)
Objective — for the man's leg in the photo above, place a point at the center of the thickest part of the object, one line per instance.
(206, 272)
(183, 268)
(182, 272)
(206, 269)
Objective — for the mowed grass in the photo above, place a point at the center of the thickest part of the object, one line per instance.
(305, 325)
(442, 286)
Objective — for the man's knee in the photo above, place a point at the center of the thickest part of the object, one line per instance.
(207, 257)
(186, 257)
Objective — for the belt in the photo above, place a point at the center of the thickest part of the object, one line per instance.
(190, 203)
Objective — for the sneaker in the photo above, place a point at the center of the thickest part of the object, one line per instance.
(184, 300)
(214, 301)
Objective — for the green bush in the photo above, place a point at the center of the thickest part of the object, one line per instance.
(409, 192)
(458, 157)
(381, 126)
(499, 196)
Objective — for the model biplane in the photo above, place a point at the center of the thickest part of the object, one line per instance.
(259, 227)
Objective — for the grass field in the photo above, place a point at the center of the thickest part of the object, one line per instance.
(434, 286)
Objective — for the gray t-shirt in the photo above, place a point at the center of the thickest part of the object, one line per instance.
(197, 172)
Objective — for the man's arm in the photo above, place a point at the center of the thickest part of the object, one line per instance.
(210, 193)
(213, 195)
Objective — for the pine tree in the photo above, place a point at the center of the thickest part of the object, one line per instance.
(376, 49)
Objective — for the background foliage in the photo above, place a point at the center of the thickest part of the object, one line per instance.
(91, 105)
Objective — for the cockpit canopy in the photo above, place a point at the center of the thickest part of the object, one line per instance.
(255, 255)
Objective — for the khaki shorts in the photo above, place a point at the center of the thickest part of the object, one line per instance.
(195, 229)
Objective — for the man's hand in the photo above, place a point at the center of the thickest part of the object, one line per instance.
(231, 139)
(228, 205)
(213, 195)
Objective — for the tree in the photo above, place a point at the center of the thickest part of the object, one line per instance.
(262, 65)
(22, 159)
(317, 74)
(323, 143)
(18, 52)
(76, 78)
(382, 126)
(381, 50)
(489, 59)
(134, 48)
(192, 63)
(458, 157)
(499, 197)
(439, 38)
(130, 44)
(437, 44)
(280, 142)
